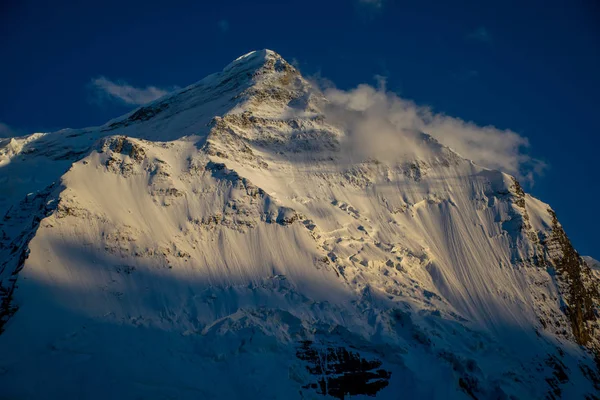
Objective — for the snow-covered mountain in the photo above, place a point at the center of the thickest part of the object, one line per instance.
(217, 243)
(593, 264)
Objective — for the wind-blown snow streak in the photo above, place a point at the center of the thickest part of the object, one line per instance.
(221, 242)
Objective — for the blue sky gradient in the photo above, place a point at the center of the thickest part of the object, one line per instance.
(531, 67)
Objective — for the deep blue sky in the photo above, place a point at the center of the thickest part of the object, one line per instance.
(529, 66)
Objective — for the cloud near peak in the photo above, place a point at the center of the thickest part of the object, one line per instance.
(383, 124)
(126, 93)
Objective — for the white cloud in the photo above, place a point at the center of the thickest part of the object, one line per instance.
(373, 3)
(223, 25)
(126, 93)
(381, 124)
(480, 34)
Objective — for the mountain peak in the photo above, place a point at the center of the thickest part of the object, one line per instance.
(260, 55)
(258, 59)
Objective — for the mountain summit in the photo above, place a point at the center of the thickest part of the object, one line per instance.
(233, 240)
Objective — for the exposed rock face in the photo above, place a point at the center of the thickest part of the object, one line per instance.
(578, 286)
(222, 232)
(142, 114)
(342, 373)
(18, 227)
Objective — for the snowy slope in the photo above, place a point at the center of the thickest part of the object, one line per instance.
(218, 243)
(593, 264)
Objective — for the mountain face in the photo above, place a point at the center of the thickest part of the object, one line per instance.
(217, 243)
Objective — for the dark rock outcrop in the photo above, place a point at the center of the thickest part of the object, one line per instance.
(577, 286)
(341, 372)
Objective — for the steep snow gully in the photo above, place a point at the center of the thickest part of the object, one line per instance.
(219, 243)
